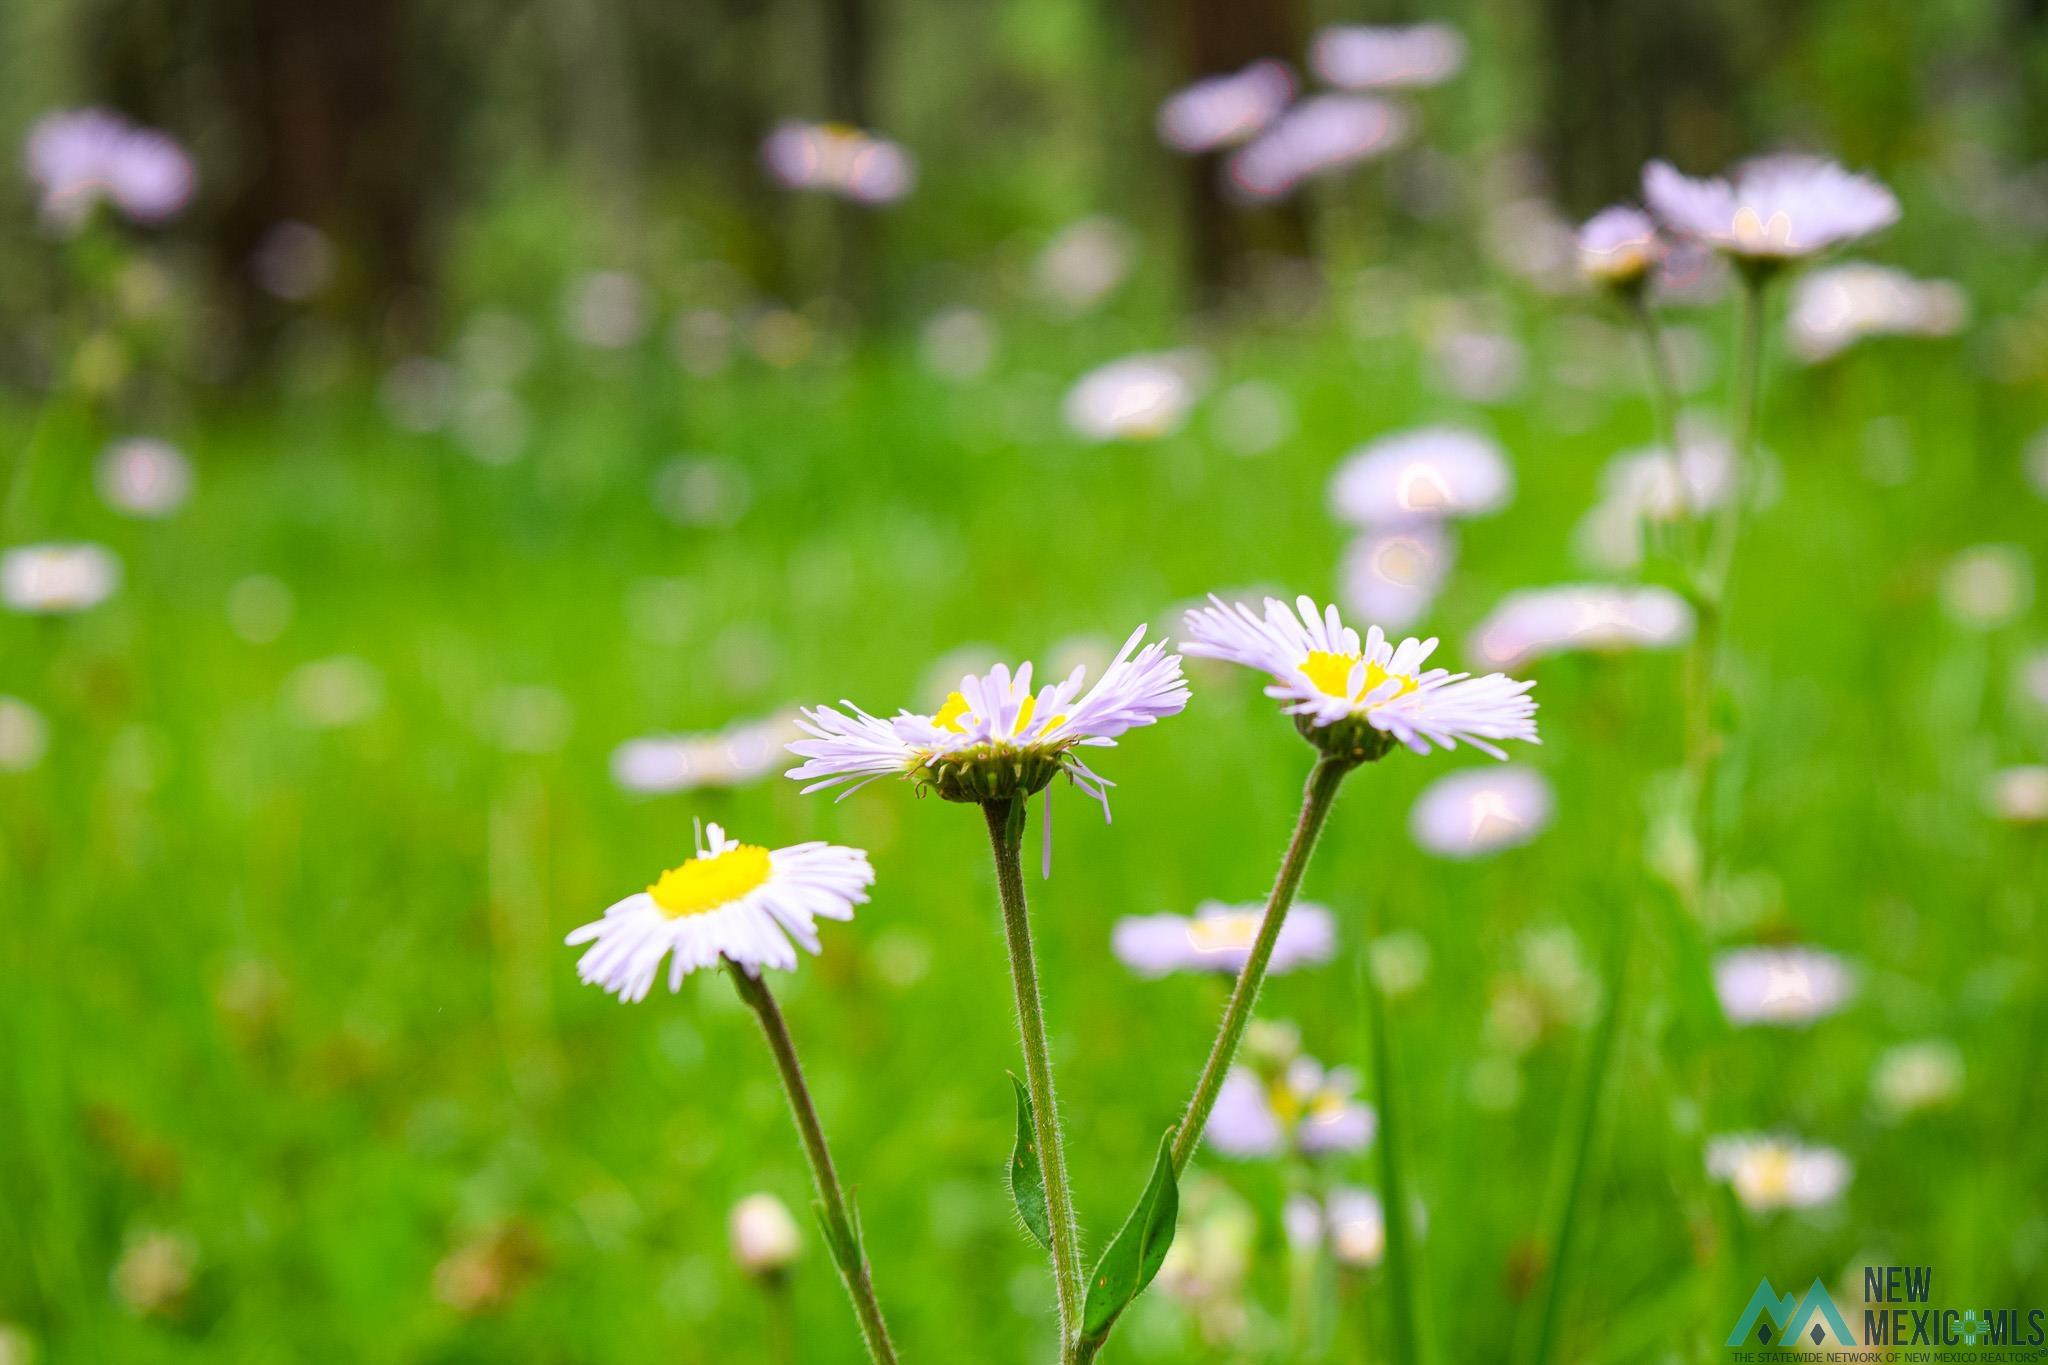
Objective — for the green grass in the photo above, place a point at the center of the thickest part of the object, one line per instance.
(300, 995)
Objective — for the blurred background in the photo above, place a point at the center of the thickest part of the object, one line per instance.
(440, 444)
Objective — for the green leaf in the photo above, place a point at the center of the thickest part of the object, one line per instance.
(1137, 1253)
(1027, 1177)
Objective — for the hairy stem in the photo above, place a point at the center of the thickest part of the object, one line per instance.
(1006, 836)
(1315, 809)
(841, 1231)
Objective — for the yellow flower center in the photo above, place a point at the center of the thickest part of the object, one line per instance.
(948, 717)
(1752, 229)
(705, 883)
(1766, 1177)
(1331, 673)
(1221, 933)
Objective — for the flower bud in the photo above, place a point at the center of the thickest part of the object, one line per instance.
(764, 1235)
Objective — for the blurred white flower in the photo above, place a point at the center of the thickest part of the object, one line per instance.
(1391, 574)
(2034, 677)
(1218, 938)
(1321, 135)
(1388, 57)
(1914, 1077)
(144, 477)
(1423, 474)
(1350, 1224)
(958, 344)
(765, 1237)
(1479, 811)
(1840, 305)
(328, 694)
(293, 262)
(1987, 586)
(1083, 262)
(1778, 208)
(1536, 622)
(1252, 417)
(1400, 962)
(1770, 1173)
(740, 753)
(735, 902)
(2019, 795)
(23, 736)
(1223, 111)
(79, 157)
(606, 309)
(1138, 398)
(1619, 247)
(1303, 1108)
(1648, 486)
(1783, 986)
(862, 166)
(54, 579)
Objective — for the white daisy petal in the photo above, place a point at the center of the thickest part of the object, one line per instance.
(1780, 208)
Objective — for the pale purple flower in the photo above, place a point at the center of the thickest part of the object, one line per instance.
(1778, 208)
(1319, 136)
(731, 757)
(1782, 986)
(144, 477)
(1224, 111)
(1770, 1173)
(1618, 246)
(849, 162)
(998, 716)
(1218, 938)
(1424, 474)
(1388, 57)
(1480, 811)
(1834, 308)
(1350, 1224)
(1326, 673)
(1083, 263)
(79, 157)
(1305, 1108)
(1137, 398)
(1391, 574)
(1536, 622)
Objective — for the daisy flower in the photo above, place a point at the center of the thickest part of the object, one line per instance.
(1391, 573)
(1913, 1077)
(55, 579)
(1360, 697)
(1776, 210)
(849, 162)
(1618, 248)
(995, 737)
(1304, 1107)
(1769, 1173)
(1223, 111)
(144, 477)
(1388, 56)
(1836, 307)
(1350, 1224)
(1218, 938)
(740, 902)
(1137, 398)
(1467, 814)
(80, 157)
(1534, 623)
(1422, 475)
(1319, 136)
(1781, 985)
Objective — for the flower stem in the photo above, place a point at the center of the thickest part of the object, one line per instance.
(1316, 799)
(841, 1230)
(1006, 837)
(1664, 404)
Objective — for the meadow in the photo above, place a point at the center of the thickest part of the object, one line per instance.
(298, 1066)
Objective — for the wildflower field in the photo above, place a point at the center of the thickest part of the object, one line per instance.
(340, 690)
